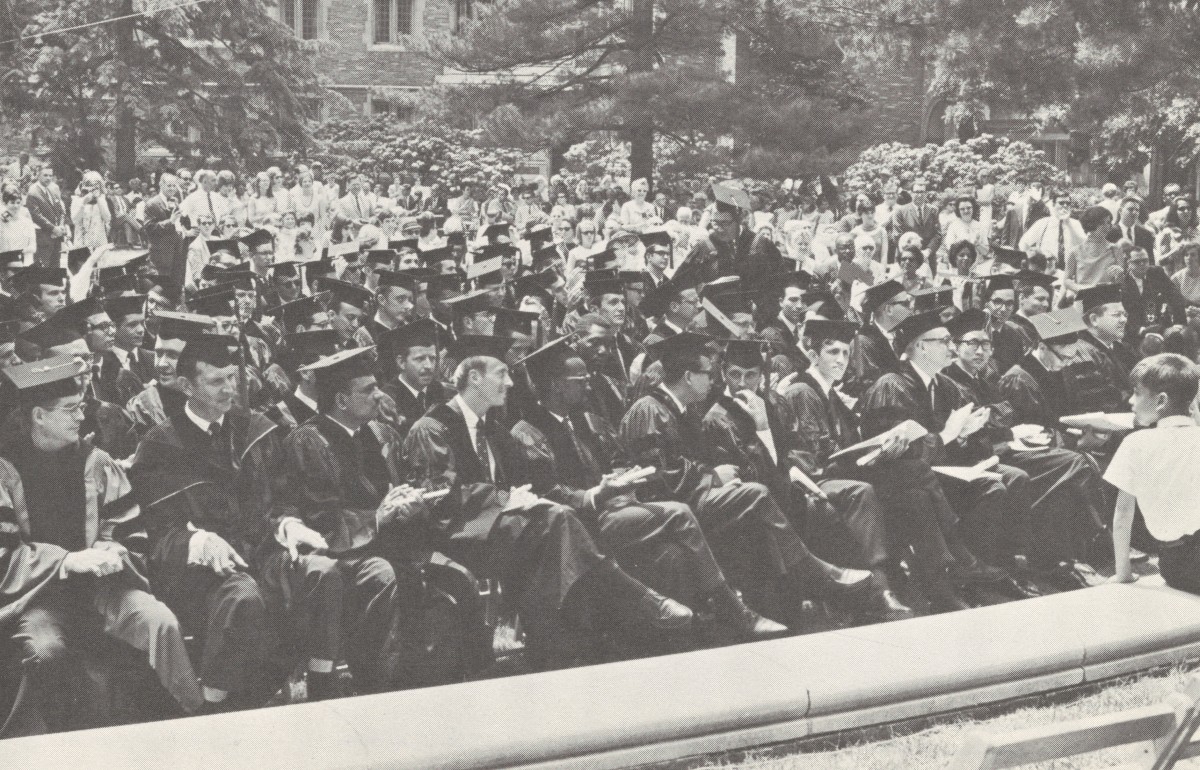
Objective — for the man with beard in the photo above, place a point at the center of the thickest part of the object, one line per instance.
(72, 495)
(753, 540)
(570, 453)
(539, 551)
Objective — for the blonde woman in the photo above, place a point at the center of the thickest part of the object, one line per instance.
(89, 212)
(638, 213)
(307, 199)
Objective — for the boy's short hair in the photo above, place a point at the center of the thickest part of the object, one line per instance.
(1168, 373)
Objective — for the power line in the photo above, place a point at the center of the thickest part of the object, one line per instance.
(102, 22)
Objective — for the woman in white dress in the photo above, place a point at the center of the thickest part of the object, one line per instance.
(637, 213)
(261, 201)
(17, 232)
(307, 199)
(89, 212)
(964, 227)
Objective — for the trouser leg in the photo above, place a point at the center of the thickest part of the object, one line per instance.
(237, 636)
(50, 673)
(305, 602)
(854, 508)
(374, 622)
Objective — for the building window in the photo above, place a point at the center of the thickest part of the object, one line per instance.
(395, 18)
(464, 11)
(302, 17)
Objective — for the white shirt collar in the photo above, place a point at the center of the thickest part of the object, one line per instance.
(671, 326)
(379, 319)
(122, 356)
(826, 385)
(305, 400)
(886, 334)
(416, 393)
(678, 403)
(925, 378)
(469, 416)
(352, 433)
(199, 421)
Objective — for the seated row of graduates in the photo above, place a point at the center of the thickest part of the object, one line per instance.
(291, 533)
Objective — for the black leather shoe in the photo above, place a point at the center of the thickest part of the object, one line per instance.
(978, 573)
(888, 607)
(1016, 589)
(943, 598)
(731, 611)
(663, 612)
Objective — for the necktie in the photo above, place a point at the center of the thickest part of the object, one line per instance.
(358, 206)
(1062, 237)
(933, 396)
(575, 442)
(835, 422)
(211, 210)
(481, 449)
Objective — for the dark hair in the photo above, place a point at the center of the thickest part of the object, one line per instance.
(328, 386)
(962, 246)
(1094, 218)
(817, 344)
(1168, 373)
(10, 192)
(192, 355)
(674, 366)
(1027, 289)
(965, 199)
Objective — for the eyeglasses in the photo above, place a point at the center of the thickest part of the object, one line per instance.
(79, 409)
(1003, 303)
(866, 247)
(107, 326)
(977, 344)
(947, 340)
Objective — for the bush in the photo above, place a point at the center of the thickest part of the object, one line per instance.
(954, 165)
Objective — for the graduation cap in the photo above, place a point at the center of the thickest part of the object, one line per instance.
(819, 330)
(76, 257)
(50, 334)
(657, 236)
(229, 245)
(419, 274)
(118, 284)
(545, 256)
(912, 327)
(36, 275)
(970, 320)
(600, 282)
(519, 321)
(1033, 278)
(182, 326)
(997, 282)
(730, 302)
(401, 244)
(533, 285)
(135, 264)
(395, 278)
(875, 296)
(683, 345)
(932, 298)
(306, 347)
(800, 279)
(298, 311)
(423, 333)
(1101, 294)
(435, 255)
(76, 314)
(212, 349)
(220, 300)
(658, 300)
(46, 379)
(458, 238)
(1058, 323)
(381, 256)
(731, 197)
(546, 362)
(747, 354)
(538, 234)
(285, 269)
(341, 250)
(472, 302)
(121, 305)
(317, 268)
(256, 238)
(1007, 256)
(11, 258)
(494, 232)
(346, 292)
(470, 345)
(446, 282)
(488, 272)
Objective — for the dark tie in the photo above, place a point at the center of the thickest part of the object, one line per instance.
(933, 396)
(481, 449)
(211, 210)
(580, 450)
(835, 421)
(1062, 237)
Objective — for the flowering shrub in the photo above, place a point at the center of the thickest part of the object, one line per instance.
(954, 164)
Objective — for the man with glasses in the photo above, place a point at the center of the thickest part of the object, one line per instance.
(1152, 300)
(753, 541)
(1057, 235)
(1098, 380)
(994, 511)
(1064, 487)
(885, 305)
(675, 303)
(920, 217)
(1158, 219)
(999, 301)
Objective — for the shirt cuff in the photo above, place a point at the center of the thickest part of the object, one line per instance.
(279, 534)
(196, 546)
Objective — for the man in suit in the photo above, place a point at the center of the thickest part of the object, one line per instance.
(1129, 228)
(920, 217)
(1152, 300)
(124, 229)
(352, 210)
(167, 236)
(49, 214)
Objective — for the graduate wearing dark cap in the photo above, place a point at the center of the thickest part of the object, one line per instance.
(919, 390)
(340, 467)
(70, 494)
(1100, 382)
(348, 307)
(873, 355)
(301, 349)
(128, 367)
(412, 350)
(282, 283)
(10, 263)
(41, 290)
(474, 312)
(210, 482)
(395, 294)
(1009, 343)
(1064, 486)
(755, 430)
(782, 332)
(570, 455)
(163, 397)
(1034, 386)
(675, 304)
(754, 542)
(542, 549)
(606, 297)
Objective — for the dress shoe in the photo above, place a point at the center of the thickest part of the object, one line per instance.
(323, 686)
(731, 611)
(662, 612)
(888, 607)
(845, 582)
(978, 573)
(1015, 589)
(943, 598)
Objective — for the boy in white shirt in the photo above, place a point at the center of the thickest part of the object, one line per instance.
(1154, 471)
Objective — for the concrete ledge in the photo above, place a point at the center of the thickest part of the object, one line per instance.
(660, 708)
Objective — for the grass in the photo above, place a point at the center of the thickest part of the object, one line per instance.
(933, 747)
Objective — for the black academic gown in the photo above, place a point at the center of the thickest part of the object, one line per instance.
(871, 356)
